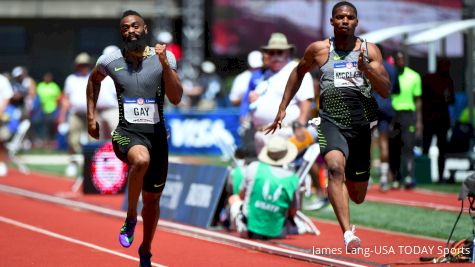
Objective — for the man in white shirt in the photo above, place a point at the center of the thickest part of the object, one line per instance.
(74, 108)
(268, 93)
(74, 102)
(6, 93)
(107, 106)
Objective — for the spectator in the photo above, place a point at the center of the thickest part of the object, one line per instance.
(385, 117)
(73, 108)
(266, 197)
(49, 94)
(247, 129)
(167, 38)
(24, 89)
(107, 107)
(269, 92)
(209, 84)
(241, 82)
(6, 93)
(407, 122)
(437, 94)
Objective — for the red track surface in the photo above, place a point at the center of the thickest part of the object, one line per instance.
(25, 247)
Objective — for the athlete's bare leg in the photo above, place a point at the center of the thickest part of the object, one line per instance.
(337, 191)
(139, 159)
(150, 216)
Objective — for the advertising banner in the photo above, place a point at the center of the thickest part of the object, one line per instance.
(193, 132)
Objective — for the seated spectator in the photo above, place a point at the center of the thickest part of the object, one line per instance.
(266, 197)
(302, 139)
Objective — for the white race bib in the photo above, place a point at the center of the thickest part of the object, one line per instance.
(346, 74)
(141, 110)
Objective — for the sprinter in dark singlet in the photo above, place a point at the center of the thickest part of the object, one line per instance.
(142, 75)
(350, 68)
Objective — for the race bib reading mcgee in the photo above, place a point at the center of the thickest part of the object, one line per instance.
(141, 110)
(347, 74)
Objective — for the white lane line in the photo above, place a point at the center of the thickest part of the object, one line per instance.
(69, 239)
(182, 229)
(412, 203)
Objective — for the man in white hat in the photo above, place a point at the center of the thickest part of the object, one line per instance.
(74, 103)
(267, 192)
(263, 100)
(107, 107)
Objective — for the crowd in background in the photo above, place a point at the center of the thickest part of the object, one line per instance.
(417, 110)
(408, 120)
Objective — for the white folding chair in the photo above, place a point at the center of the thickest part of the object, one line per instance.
(309, 158)
(15, 145)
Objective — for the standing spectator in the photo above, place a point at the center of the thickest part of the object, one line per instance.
(49, 94)
(385, 117)
(351, 69)
(407, 122)
(6, 93)
(73, 108)
(107, 107)
(241, 82)
(437, 94)
(269, 92)
(267, 192)
(166, 37)
(247, 129)
(209, 84)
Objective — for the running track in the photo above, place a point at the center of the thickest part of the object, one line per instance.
(41, 233)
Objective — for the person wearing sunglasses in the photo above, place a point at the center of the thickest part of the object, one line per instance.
(263, 100)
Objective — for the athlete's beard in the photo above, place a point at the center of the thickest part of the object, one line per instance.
(137, 45)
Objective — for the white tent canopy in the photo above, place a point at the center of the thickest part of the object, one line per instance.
(432, 36)
(388, 33)
(441, 31)
(431, 33)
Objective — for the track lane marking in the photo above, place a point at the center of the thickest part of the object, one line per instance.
(69, 239)
(185, 230)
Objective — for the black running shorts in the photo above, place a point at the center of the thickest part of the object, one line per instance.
(355, 144)
(156, 176)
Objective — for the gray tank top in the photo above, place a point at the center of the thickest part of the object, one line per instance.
(140, 91)
(345, 93)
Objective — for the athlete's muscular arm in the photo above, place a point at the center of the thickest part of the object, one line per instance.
(375, 71)
(173, 88)
(307, 63)
(92, 93)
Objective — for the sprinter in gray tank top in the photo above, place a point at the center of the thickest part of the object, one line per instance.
(142, 75)
(351, 69)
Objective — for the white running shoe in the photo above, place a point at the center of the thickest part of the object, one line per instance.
(352, 242)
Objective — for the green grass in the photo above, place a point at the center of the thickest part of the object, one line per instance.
(48, 169)
(410, 220)
(43, 151)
